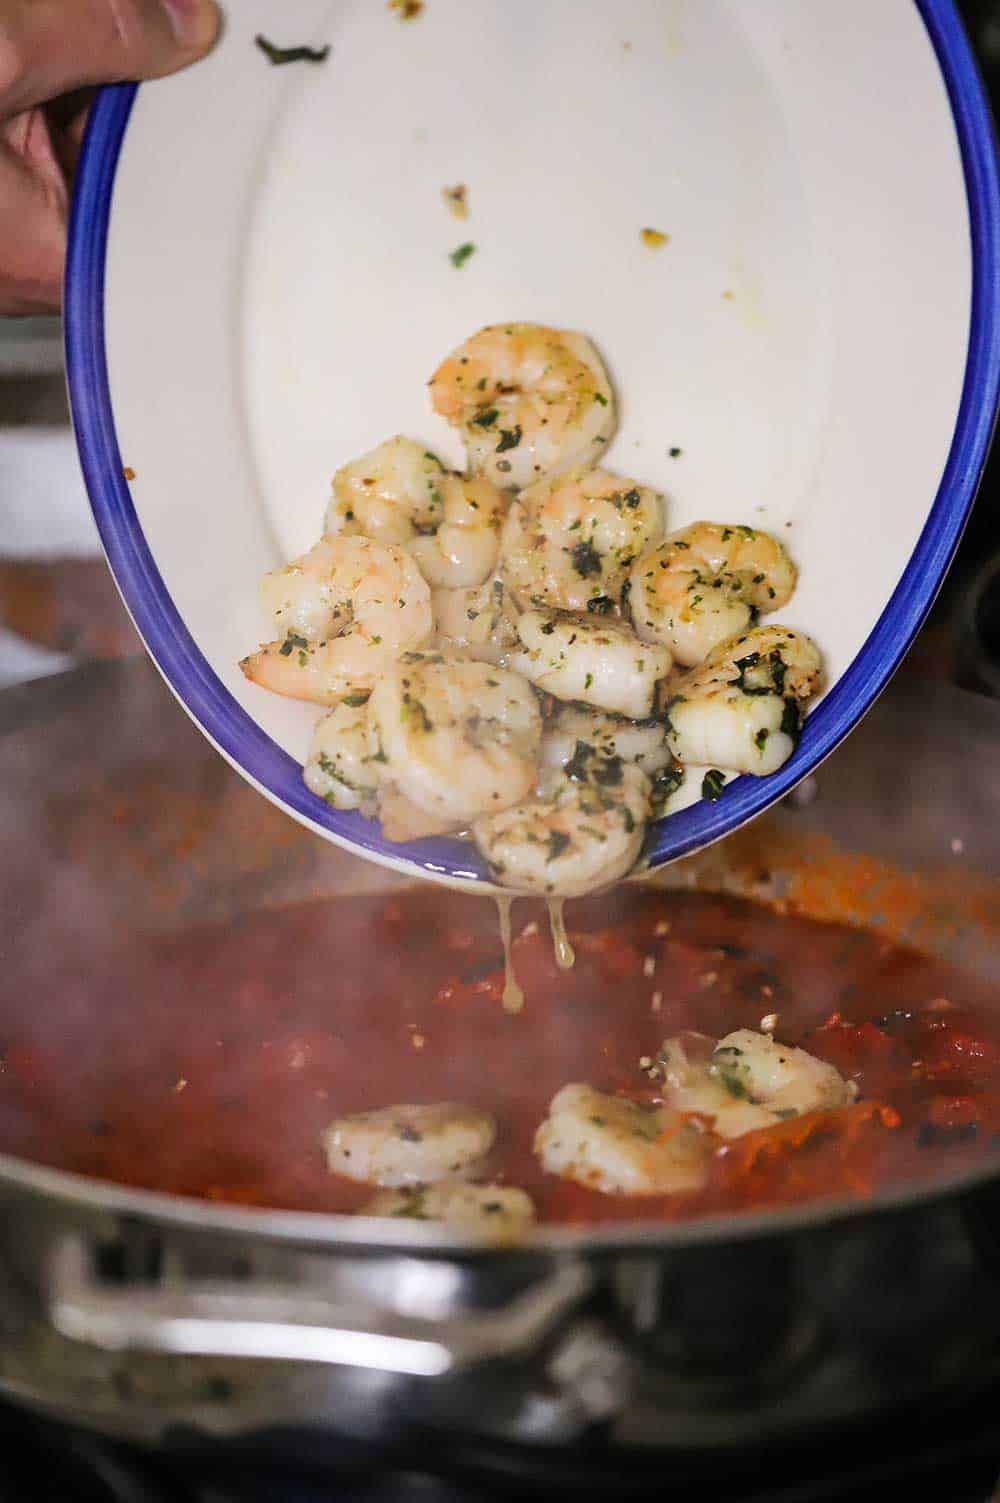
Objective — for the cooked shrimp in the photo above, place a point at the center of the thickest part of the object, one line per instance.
(459, 737)
(346, 610)
(691, 1085)
(569, 542)
(462, 553)
(602, 663)
(705, 583)
(389, 494)
(342, 766)
(529, 401)
(408, 1145)
(402, 493)
(577, 835)
(643, 742)
(403, 820)
(783, 1078)
(488, 1213)
(747, 1081)
(742, 708)
(480, 623)
(618, 1146)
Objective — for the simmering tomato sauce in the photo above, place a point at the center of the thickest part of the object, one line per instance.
(209, 1064)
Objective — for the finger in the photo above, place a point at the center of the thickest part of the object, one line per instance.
(33, 206)
(51, 47)
(67, 118)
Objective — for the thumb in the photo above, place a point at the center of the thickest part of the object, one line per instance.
(50, 47)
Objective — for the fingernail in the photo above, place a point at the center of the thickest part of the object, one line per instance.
(194, 22)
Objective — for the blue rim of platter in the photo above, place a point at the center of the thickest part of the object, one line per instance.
(250, 749)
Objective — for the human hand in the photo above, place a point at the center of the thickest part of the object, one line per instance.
(52, 53)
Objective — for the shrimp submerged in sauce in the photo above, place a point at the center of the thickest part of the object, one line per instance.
(497, 1214)
(747, 1080)
(529, 401)
(409, 1145)
(618, 1146)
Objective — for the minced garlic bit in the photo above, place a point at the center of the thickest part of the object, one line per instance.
(656, 1001)
(528, 932)
(407, 10)
(662, 928)
(653, 238)
(769, 1022)
(648, 965)
(457, 199)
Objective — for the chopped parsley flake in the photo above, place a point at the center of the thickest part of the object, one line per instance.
(557, 843)
(665, 783)
(413, 1204)
(414, 714)
(576, 767)
(608, 772)
(461, 254)
(292, 641)
(279, 55)
(791, 720)
(585, 559)
(712, 784)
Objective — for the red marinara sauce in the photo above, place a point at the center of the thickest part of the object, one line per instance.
(209, 1064)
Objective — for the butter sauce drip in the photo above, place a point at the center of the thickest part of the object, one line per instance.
(564, 952)
(513, 996)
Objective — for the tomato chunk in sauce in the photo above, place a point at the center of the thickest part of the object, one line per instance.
(209, 1064)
